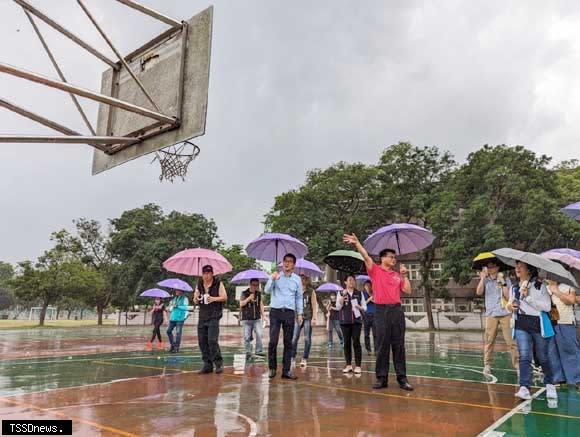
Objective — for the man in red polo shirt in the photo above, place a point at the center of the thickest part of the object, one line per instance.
(389, 317)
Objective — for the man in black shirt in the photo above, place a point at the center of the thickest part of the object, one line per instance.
(252, 315)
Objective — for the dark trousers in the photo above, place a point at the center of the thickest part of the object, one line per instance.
(281, 318)
(208, 332)
(156, 332)
(369, 326)
(351, 334)
(390, 330)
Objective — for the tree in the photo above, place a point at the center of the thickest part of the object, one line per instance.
(413, 187)
(331, 202)
(508, 196)
(142, 238)
(240, 261)
(52, 277)
(6, 296)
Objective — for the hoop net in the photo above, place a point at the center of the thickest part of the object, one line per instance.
(175, 160)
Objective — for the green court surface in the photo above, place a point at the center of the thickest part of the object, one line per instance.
(108, 384)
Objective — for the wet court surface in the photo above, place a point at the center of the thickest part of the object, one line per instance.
(106, 382)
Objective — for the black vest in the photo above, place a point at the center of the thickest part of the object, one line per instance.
(346, 315)
(214, 309)
(252, 309)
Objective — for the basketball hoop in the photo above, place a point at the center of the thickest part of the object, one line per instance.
(175, 160)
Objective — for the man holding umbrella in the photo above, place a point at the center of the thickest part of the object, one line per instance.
(210, 294)
(286, 307)
(389, 317)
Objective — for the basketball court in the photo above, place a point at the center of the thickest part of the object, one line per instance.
(107, 384)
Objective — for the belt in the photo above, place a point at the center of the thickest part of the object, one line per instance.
(388, 305)
(283, 309)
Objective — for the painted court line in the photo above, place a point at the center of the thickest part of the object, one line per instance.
(73, 418)
(490, 431)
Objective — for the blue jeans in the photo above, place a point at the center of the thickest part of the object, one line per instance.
(307, 325)
(172, 325)
(334, 325)
(256, 327)
(526, 342)
(564, 354)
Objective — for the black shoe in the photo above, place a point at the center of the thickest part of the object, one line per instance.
(404, 384)
(205, 370)
(171, 350)
(289, 375)
(219, 368)
(381, 383)
(260, 354)
(272, 373)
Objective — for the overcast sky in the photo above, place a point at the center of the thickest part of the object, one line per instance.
(294, 85)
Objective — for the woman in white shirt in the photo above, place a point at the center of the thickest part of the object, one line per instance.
(564, 351)
(528, 299)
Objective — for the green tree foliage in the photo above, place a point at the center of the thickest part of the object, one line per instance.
(508, 196)
(330, 202)
(142, 238)
(7, 298)
(240, 261)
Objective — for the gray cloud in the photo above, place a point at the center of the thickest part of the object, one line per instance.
(294, 85)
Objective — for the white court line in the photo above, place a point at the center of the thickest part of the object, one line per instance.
(253, 425)
(490, 431)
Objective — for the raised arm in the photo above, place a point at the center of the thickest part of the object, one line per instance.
(353, 239)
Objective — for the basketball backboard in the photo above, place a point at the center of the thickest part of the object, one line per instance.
(174, 68)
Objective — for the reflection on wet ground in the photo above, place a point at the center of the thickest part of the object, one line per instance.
(109, 385)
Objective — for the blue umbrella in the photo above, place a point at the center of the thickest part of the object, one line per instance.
(403, 238)
(307, 268)
(272, 247)
(572, 210)
(363, 278)
(247, 275)
(328, 287)
(155, 292)
(176, 284)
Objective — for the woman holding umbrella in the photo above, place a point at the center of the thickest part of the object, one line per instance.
(178, 309)
(159, 316)
(529, 298)
(349, 307)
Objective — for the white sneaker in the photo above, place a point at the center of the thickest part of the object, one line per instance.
(303, 363)
(357, 370)
(552, 403)
(487, 369)
(523, 393)
(551, 392)
(293, 363)
(347, 369)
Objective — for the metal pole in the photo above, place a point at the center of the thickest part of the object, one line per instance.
(60, 74)
(69, 139)
(151, 12)
(66, 33)
(119, 56)
(83, 92)
(45, 121)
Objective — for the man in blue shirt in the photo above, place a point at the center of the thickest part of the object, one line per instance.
(286, 307)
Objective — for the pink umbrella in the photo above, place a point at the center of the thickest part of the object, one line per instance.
(565, 258)
(191, 261)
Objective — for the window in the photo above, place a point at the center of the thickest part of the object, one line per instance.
(414, 272)
(442, 305)
(413, 305)
(436, 269)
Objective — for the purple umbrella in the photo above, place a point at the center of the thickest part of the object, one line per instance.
(305, 267)
(328, 287)
(363, 278)
(176, 284)
(247, 275)
(564, 258)
(572, 210)
(155, 292)
(401, 237)
(272, 247)
(565, 251)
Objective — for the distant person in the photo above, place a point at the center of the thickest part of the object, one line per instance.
(332, 322)
(252, 308)
(350, 310)
(286, 308)
(178, 309)
(564, 350)
(310, 308)
(495, 288)
(210, 294)
(529, 298)
(158, 317)
(389, 316)
(369, 317)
